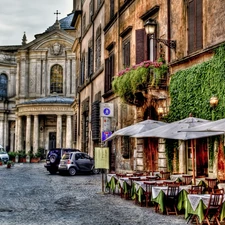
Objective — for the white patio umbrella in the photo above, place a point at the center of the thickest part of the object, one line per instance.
(137, 128)
(177, 130)
(218, 125)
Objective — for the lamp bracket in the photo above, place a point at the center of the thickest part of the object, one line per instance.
(169, 43)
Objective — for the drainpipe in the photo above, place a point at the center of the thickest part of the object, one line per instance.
(168, 27)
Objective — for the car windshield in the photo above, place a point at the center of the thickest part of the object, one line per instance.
(2, 152)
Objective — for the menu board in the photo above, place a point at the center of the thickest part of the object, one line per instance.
(102, 158)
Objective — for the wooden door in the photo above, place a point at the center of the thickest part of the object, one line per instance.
(201, 157)
(151, 154)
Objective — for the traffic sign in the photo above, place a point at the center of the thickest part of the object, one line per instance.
(106, 110)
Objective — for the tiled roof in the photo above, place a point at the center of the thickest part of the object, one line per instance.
(64, 23)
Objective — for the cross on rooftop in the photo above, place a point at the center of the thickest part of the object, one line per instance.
(57, 13)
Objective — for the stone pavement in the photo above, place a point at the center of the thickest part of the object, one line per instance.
(31, 196)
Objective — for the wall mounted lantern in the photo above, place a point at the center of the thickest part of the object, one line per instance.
(150, 26)
(213, 101)
(160, 111)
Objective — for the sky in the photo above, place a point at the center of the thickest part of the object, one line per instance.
(30, 16)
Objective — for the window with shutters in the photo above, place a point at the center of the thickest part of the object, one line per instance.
(90, 10)
(3, 86)
(85, 125)
(111, 9)
(98, 48)
(56, 79)
(125, 147)
(90, 59)
(83, 24)
(82, 68)
(195, 30)
(109, 72)
(95, 120)
(146, 47)
(126, 53)
(99, 3)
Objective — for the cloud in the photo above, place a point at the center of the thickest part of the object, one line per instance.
(33, 17)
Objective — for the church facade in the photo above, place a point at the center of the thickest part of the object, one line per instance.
(37, 90)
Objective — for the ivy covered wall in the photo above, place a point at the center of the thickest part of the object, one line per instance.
(191, 89)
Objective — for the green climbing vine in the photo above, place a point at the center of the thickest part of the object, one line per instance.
(191, 89)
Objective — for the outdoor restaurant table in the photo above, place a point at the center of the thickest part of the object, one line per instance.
(221, 186)
(177, 177)
(197, 203)
(124, 181)
(201, 181)
(159, 192)
(111, 182)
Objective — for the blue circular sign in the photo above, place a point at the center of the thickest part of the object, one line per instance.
(106, 111)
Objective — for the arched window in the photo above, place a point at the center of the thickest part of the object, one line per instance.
(3, 86)
(56, 79)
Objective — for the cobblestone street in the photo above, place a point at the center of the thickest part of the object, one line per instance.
(30, 196)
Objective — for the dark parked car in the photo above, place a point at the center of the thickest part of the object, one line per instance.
(54, 156)
(77, 162)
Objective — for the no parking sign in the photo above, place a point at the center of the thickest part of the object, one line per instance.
(106, 110)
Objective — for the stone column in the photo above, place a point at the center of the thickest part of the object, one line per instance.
(59, 132)
(182, 158)
(69, 131)
(28, 134)
(6, 131)
(19, 145)
(36, 134)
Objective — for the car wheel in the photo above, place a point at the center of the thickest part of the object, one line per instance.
(95, 171)
(53, 158)
(52, 171)
(72, 171)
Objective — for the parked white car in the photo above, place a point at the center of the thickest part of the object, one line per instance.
(4, 157)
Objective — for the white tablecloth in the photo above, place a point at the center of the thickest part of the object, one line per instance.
(109, 177)
(156, 190)
(221, 185)
(194, 199)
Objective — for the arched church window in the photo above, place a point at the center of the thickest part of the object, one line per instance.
(3, 86)
(56, 79)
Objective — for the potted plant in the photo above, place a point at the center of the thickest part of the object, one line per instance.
(37, 156)
(22, 155)
(12, 155)
(9, 164)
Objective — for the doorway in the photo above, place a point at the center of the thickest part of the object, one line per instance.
(151, 154)
(52, 140)
(201, 157)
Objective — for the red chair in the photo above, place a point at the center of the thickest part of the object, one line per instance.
(172, 199)
(195, 189)
(214, 207)
(148, 191)
(187, 179)
(211, 184)
(165, 175)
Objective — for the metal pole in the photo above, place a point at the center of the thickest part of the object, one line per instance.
(193, 160)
